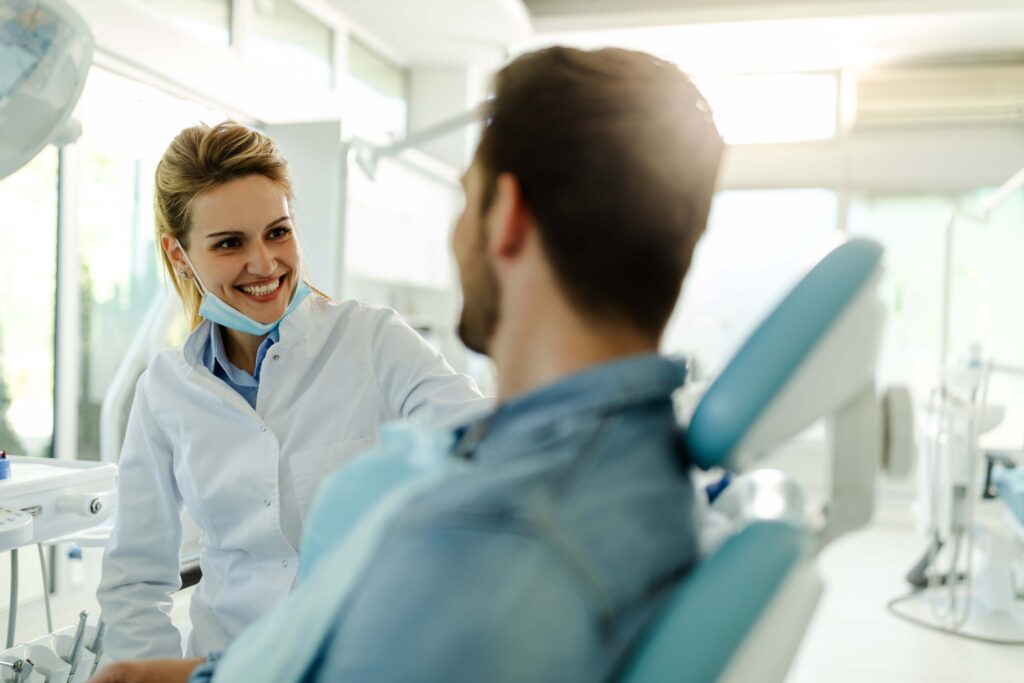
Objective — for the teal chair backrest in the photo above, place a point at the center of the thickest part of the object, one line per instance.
(710, 614)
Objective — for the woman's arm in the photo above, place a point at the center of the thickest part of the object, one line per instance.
(141, 567)
(417, 381)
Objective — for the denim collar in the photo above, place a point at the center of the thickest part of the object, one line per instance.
(599, 389)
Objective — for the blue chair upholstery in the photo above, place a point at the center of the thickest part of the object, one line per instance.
(712, 612)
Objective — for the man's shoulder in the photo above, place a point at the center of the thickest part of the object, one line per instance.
(492, 497)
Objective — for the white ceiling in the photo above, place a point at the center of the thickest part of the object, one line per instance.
(560, 15)
(700, 35)
(816, 43)
(442, 31)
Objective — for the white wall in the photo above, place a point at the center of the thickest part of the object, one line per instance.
(438, 93)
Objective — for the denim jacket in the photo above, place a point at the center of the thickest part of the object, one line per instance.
(541, 561)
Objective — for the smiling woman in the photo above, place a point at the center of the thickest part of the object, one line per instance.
(276, 387)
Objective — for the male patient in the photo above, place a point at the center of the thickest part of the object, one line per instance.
(573, 515)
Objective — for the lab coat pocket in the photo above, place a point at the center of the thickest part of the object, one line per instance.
(311, 468)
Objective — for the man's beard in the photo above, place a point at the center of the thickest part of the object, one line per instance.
(479, 316)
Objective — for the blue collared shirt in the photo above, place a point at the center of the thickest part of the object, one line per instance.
(542, 561)
(215, 358)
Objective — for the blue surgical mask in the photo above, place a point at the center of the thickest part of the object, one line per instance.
(214, 309)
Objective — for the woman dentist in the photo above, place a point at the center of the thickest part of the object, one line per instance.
(276, 387)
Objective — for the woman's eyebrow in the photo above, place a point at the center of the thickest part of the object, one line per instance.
(225, 233)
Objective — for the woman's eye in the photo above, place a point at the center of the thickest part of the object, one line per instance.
(229, 243)
(279, 232)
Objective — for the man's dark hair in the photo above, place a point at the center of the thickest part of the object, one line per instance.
(616, 156)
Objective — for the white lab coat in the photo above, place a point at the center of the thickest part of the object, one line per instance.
(246, 476)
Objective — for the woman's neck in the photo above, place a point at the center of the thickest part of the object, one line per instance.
(241, 348)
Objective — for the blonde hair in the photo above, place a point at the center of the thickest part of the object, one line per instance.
(199, 159)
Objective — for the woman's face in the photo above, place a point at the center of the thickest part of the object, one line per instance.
(243, 245)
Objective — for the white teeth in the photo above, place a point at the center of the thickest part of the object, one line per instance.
(262, 290)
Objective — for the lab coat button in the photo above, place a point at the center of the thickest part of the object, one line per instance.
(276, 356)
(284, 563)
(267, 502)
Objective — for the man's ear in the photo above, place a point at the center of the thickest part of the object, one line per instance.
(508, 220)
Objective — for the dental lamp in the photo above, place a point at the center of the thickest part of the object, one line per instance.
(45, 52)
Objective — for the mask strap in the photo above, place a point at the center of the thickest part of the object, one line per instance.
(195, 273)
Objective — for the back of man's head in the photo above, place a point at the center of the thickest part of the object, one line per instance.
(616, 156)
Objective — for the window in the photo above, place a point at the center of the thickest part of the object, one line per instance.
(291, 45)
(376, 95)
(763, 108)
(208, 20)
(28, 246)
(126, 128)
(758, 244)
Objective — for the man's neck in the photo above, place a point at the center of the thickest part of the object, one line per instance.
(542, 351)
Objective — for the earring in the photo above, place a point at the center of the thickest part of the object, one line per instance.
(183, 274)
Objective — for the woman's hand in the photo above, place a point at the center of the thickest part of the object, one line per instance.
(148, 671)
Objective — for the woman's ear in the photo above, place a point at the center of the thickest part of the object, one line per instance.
(174, 254)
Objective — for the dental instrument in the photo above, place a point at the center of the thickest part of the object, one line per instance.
(97, 645)
(76, 644)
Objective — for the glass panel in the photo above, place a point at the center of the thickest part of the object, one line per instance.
(985, 304)
(120, 271)
(291, 45)
(376, 95)
(208, 20)
(911, 230)
(985, 287)
(757, 245)
(773, 107)
(28, 247)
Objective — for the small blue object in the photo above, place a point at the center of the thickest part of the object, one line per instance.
(1010, 483)
(714, 489)
(5, 466)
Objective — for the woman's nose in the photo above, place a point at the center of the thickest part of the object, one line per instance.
(262, 261)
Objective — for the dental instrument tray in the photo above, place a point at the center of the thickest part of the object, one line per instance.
(62, 497)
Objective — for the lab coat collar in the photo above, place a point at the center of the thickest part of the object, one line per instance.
(292, 329)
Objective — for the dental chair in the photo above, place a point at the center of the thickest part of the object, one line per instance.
(740, 615)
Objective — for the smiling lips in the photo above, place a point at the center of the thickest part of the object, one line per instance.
(264, 292)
